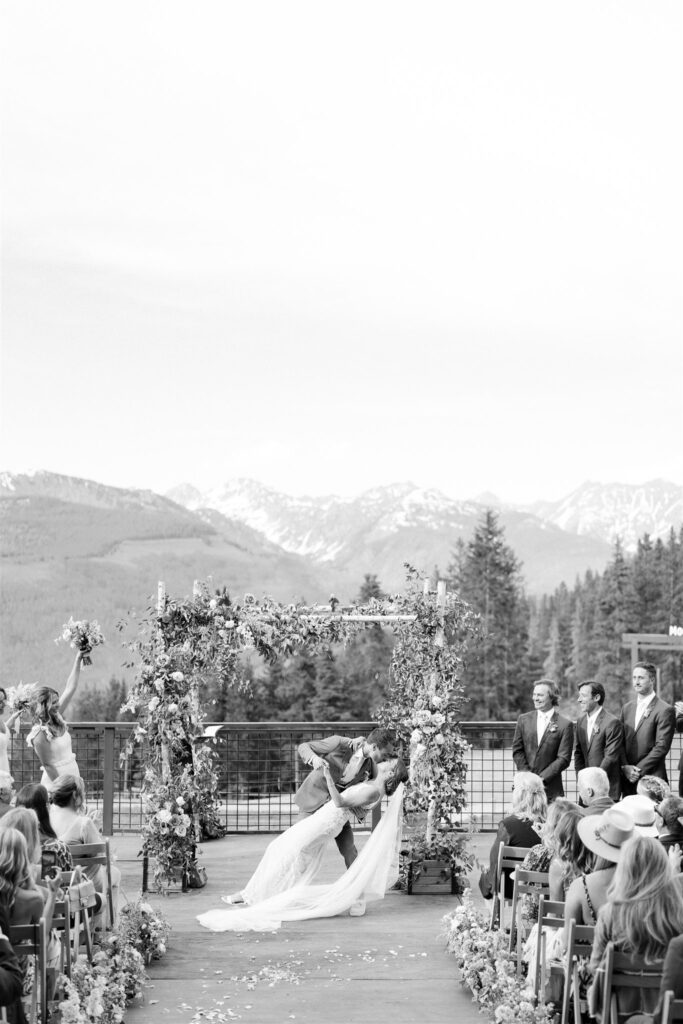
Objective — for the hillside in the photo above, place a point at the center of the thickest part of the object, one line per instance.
(100, 559)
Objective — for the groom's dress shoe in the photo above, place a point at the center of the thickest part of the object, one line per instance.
(357, 908)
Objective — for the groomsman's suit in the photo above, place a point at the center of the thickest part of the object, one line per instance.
(646, 746)
(340, 752)
(603, 750)
(551, 756)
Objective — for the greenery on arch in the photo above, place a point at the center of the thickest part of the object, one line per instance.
(183, 640)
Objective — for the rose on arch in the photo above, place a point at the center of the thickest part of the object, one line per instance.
(177, 677)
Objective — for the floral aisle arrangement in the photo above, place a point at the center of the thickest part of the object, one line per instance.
(101, 990)
(489, 970)
(143, 928)
(181, 643)
(82, 635)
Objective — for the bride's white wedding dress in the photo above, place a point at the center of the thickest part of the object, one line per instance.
(280, 889)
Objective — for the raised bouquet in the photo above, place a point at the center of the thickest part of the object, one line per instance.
(82, 635)
(19, 700)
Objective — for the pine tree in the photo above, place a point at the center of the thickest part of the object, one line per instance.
(487, 575)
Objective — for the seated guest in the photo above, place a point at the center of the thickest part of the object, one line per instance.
(671, 814)
(34, 796)
(31, 900)
(572, 857)
(642, 810)
(539, 857)
(70, 821)
(23, 901)
(654, 788)
(593, 788)
(643, 913)
(11, 974)
(522, 827)
(672, 980)
(604, 836)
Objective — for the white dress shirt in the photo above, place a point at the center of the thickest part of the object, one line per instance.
(542, 722)
(642, 704)
(590, 722)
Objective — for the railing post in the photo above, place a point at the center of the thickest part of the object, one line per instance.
(108, 788)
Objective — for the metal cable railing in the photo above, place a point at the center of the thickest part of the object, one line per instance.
(259, 770)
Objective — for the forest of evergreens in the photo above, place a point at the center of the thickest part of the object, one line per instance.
(570, 635)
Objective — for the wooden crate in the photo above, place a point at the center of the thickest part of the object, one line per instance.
(435, 878)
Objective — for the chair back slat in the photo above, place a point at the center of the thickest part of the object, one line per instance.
(526, 883)
(31, 940)
(550, 915)
(88, 854)
(509, 858)
(579, 944)
(672, 1008)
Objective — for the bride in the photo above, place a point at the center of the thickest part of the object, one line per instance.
(281, 888)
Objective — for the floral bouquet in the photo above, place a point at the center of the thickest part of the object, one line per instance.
(82, 635)
(19, 700)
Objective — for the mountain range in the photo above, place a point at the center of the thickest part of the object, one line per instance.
(77, 547)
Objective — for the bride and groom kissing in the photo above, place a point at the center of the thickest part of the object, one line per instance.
(349, 778)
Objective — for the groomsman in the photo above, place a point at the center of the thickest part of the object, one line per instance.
(543, 739)
(599, 736)
(649, 725)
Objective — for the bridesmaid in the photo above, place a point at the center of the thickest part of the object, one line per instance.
(6, 780)
(49, 736)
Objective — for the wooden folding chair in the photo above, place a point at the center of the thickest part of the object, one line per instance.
(87, 854)
(527, 883)
(579, 944)
(31, 940)
(672, 1009)
(509, 858)
(81, 909)
(61, 922)
(625, 972)
(550, 915)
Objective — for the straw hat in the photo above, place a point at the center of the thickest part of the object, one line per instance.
(642, 810)
(606, 833)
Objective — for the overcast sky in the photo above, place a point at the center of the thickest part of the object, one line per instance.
(331, 246)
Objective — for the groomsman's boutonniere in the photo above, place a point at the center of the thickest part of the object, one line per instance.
(552, 727)
(646, 712)
(596, 730)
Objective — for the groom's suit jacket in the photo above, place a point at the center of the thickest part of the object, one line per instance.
(603, 750)
(337, 751)
(551, 756)
(647, 746)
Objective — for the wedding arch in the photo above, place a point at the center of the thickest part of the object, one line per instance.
(179, 640)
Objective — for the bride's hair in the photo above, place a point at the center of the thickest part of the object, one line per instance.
(399, 775)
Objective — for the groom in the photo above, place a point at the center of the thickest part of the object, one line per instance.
(350, 761)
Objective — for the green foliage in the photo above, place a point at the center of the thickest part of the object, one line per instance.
(487, 575)
(576, 634)
(96, 704)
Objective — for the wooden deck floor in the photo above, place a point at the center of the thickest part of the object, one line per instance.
(389, 966)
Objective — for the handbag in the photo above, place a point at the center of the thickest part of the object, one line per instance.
(81, 891)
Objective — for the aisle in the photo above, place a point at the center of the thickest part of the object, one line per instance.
(387, 966)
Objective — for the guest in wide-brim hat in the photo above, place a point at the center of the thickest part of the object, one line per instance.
(642, 810)
(606, 833)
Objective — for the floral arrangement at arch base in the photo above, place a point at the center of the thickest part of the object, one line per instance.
(489, 970)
